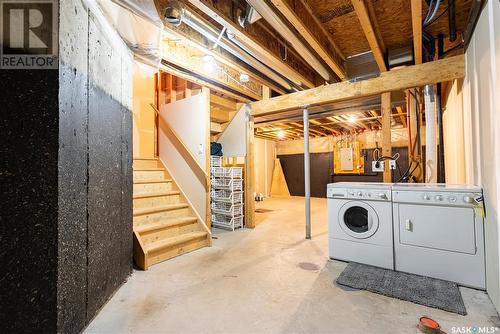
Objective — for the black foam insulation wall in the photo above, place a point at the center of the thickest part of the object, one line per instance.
(66, 170)
(28, 221)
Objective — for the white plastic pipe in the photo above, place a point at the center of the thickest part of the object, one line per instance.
(430, 135)
(307, 174)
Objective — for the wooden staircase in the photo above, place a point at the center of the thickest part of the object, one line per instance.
(165, 225)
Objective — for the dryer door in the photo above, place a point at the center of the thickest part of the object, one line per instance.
(358, 219)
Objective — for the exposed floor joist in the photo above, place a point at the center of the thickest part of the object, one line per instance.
(302, 18)
(400, 79)
(370, 31)
(416, 22)
(207, 7)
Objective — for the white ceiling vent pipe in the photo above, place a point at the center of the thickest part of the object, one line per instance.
(275, 21)
(430, 135)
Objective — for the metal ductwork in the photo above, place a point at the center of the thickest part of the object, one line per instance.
(174, 13)
(400, 56)
(281, 27)
(361, 67)
(250, 16)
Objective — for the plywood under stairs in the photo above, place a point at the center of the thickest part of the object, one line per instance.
(165, 225)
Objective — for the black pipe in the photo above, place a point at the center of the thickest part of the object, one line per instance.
(452, 27)
(439, 107)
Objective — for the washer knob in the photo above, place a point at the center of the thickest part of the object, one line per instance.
(452, 199)
(426, 197)
(382, 195)
(439, 197)
(468, 199)
(360, 193)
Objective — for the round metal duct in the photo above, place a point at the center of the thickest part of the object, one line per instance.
(173, 13)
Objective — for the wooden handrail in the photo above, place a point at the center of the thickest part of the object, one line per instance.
(185, 152)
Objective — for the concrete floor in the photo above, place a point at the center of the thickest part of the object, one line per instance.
(268, 280)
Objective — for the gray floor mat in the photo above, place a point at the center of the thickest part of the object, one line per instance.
(421, 290)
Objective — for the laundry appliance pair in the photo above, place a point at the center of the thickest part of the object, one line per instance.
(434, 230)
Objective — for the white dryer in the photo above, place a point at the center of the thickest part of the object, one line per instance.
(439, 232)
(360, 223)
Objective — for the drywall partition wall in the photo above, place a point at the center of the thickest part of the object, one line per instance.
(481, 123)
(233, 139)
(264, 156)
(189, 119)
(95, 164)
(144, 115)
(453, 132)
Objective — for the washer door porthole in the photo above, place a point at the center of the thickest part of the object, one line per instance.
(358, 219)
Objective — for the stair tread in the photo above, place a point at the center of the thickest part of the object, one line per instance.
(172, 241)
(165, 224)
(156, 194)
(160, 208)
(146, 181)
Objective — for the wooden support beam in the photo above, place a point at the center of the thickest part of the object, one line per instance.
(386, 134)
(402, 115)
(266, 93)
(416, 23)
(370, 32)
(399, 79)
(210, 8)
(301, 17)
(222, 103)
(219, 115)
(216, 127)
(250, 176)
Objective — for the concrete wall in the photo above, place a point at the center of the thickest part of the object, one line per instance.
(95, 165)
(482, 137)
(67, 237)
(144, 117)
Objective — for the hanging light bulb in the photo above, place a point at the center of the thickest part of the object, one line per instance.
(208, 64)
(281, 134)
(352, 118)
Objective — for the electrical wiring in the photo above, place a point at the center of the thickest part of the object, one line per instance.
(440, 15)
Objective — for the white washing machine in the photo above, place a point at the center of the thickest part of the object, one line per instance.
(360, 223)
(439, 232)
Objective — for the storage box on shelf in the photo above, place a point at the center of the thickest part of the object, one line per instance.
(226, 194)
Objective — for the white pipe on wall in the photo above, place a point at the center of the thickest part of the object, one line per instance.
(430, 135)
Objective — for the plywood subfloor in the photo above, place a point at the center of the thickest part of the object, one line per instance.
(267, 280)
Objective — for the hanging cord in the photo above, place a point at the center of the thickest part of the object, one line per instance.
(452, 2)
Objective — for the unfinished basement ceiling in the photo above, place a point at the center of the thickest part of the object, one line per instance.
(336, 26)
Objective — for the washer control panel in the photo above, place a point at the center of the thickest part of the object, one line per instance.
(359, 193)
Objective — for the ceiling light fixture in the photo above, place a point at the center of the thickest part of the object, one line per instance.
(281, 134)
(208, 64)
(352, 118)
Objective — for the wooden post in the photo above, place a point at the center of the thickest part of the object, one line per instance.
(208, 218)
(250, 174)
(386, 134)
